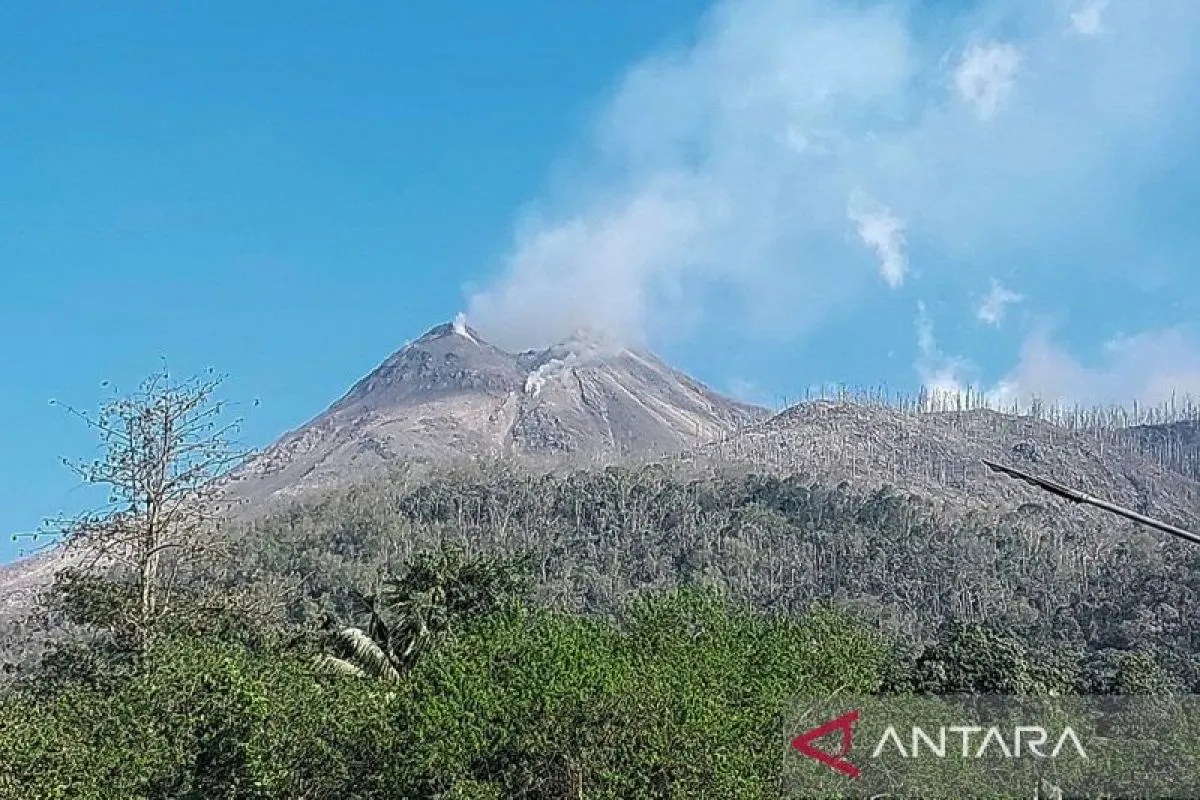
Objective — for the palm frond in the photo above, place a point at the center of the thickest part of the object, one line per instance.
(367, 652)
(338, 666)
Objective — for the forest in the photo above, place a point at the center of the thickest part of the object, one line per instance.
(488, 631)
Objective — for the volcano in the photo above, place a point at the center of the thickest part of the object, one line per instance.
(450, 394)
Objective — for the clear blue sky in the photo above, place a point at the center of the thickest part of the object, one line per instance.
(285, 196)
(290, 195)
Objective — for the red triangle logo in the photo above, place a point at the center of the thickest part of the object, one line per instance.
(803, 744)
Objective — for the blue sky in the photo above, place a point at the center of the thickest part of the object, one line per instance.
(770, 194)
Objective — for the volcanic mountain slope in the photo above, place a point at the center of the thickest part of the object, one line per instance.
(451, 394)
(938, 455)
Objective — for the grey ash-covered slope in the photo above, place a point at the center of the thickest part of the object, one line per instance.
(938, 455)
(1174, 444)
(451, 394)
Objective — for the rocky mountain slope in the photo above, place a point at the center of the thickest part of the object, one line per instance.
(451, 394)
(938, 454)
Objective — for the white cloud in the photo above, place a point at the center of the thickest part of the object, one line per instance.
(713, 189)
(995, 303)
(1086, 20)
(1148, 368)
(986, 76)
(882, 232)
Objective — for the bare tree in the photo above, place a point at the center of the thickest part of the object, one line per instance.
(165, 449)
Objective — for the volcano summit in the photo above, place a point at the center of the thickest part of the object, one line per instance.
(450, 394)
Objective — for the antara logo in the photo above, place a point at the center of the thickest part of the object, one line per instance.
(1032, 740)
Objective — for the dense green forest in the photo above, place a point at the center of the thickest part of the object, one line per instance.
(488, 632)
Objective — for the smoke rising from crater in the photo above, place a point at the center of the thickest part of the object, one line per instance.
(721, 173)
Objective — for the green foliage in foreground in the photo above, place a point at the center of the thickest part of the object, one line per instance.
(687, 700)
(684, 697)
(204, 718)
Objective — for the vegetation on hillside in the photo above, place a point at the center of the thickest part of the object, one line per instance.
(906, 563)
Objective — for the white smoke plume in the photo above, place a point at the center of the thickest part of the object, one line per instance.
(718, 175)
(941, 374)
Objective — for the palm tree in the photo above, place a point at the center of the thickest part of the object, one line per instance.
(367, 653)
(436, 592)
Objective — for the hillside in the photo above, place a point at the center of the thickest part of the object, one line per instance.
(938, 455)
(1174, 444)
(910, 561)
